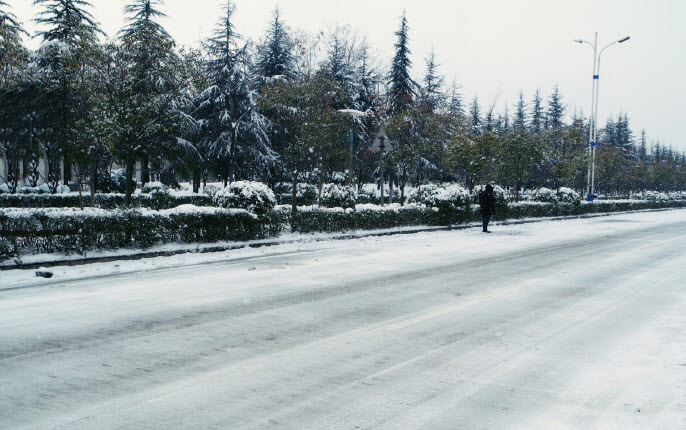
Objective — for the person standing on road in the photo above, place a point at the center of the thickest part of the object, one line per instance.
(487, 203)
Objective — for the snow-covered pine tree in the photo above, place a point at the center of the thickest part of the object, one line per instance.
(235, 137)
(455, 102)
(68, 21)
(66, 62)
(12, 51)
(401, 85)
(146, 88)
(520, 119)
(433, 96)
(556, 109)
(13, 56)
(276, 56)
(475, 120)
(537, 115)
(340, 63)
(643, 148)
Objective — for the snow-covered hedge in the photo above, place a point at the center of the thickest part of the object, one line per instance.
(256, 197)
(73, 231)
(104, 201)
(363, 217)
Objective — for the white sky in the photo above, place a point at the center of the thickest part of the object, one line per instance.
(493, 48)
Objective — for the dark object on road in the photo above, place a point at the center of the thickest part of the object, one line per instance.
(487, 203)
(44, 274)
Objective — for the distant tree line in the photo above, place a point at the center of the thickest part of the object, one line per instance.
(271, 111)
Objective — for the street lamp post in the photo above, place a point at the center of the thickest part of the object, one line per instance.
(350, 138)
(593, 125)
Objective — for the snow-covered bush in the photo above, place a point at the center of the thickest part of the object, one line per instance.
(306, 194)
(256, 197)
(656, 196)
(211, 189)
(31, 190)
(545, 195)
(371, 194)
(447, 195)
(338, 196)
(154, 187)
(568, 195)
(500, 194)
(117, 182)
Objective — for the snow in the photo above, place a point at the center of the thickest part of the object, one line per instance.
(566, 324)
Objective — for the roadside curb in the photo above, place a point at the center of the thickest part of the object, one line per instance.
(275, 242)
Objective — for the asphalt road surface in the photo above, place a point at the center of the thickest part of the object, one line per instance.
(575, 324)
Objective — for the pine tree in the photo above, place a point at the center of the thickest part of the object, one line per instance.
(643, 148)
(555, 109)
(432, 92)
(234, 133)
(455, 104)
(276, 57)
(66, 61)
(68, 21)
(537, 117)
(402, 87)
(147, 89)
(519, 123)
(475, 116)
(12, 52)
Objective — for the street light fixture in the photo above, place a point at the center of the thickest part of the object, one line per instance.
(593, 126)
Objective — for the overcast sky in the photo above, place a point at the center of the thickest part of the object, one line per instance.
(493, 48)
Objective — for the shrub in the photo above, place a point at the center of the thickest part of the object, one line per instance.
(545, 195)
(338, 196)
(255, 197)
(306, 195)
(211, 189)
(567, 195)
(656, 196)
(153, 187)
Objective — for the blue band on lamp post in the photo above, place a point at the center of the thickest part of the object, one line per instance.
(592, 144)
(596, 76)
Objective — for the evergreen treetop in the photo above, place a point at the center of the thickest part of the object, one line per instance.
(402, 87)
(276, 58)
(68, 21)
(555, 109)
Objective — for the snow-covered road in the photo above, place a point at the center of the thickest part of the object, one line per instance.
(575, 324)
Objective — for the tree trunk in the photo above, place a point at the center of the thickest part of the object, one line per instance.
(130, 164)
(94, 181)
(294, 197)
(145, 170)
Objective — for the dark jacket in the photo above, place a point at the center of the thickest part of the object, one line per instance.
(487, 201)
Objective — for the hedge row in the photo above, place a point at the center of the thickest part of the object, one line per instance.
(157, 201)
(74, 231)
(331, 220)
(308, 220)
